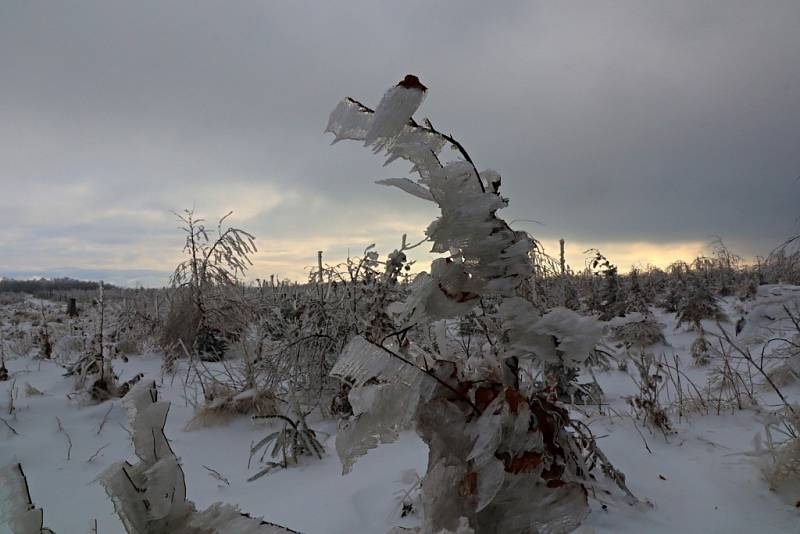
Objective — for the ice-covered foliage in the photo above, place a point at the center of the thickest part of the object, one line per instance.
(700, 350)
(18, 514)
(485, 256)
(779, 456)
(700, 303)
(215, 259)
(502, 460)
(150, 496)
(559, 336)
(384, 395)
(395, 109)
(637, 331)
(610, 299)
(287, 445)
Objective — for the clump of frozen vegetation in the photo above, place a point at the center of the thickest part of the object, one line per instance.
(503, 458)
(638, 331)
(778, 453)
(287, 445)
(700, 350)
(215, 261)
(150, 496)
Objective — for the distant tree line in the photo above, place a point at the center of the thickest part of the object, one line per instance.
(45, 286)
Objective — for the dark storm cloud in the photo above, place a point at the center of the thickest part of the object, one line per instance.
(610, 121)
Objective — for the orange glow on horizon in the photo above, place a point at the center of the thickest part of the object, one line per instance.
(293, 259)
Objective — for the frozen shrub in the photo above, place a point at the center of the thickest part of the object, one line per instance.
(293, 441)
(611, 299)
(647, 402)
(698, 304)
(503, 460)
(636, 299)
(780, 458)
(701, 350)
(68, 348)
(641, 333)
(181, 324)
(215, 260)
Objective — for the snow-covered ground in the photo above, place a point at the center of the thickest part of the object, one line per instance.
(697, 478)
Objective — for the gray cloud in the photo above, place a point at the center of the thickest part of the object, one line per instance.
(611, 122)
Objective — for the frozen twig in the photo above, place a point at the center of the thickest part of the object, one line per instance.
(104, 420)
(69, 439)
(92, 457)
(11, 397)
(11, 428)
(213, 473)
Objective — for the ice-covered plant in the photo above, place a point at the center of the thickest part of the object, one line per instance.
(214, 259)
(293, 441)
(697, 304)
(639, 332)
(647, 404)
(778, 451)
(700, 350)
(505, 460)
(612, 299)
(150, 496)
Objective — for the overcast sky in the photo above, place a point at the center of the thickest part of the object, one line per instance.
(641, 128)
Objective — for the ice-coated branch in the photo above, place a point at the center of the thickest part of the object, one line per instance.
(486, 257)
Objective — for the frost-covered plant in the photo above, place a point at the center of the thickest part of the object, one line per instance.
(647, 402)
(504, 460)
(697, 304)
(782, 265)
(724, 266)
(640, 333)
(562, 341)
(293, 441)
(611, 296)
(94, 377)
(236, 386)
(20, 345)
(299, 331)
(701, 350)
(69, 348)
(779, 453)
(676, 286)
(150, 496)
(787, 354)
(215, 259)
(636, 300)
(293, 344)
